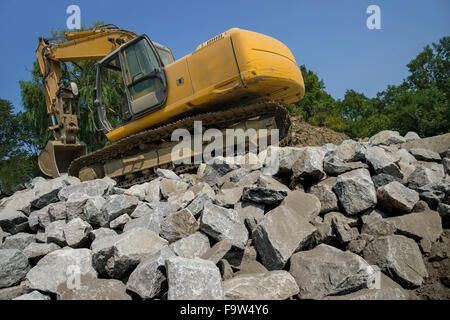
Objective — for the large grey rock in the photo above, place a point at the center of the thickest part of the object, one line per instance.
(193, 279)
(168, 174)
(355, 191)
(93, 211)
(263, 195)
(399, 257)
(374, 224)
(425, 154)
(325, 271)
(279, 235)
(419, 225)
(33, 295)
(149, 280)
(324, 191)
(202, 187)
(350, 151)
(229, 197)
(13, 292)
(39, 218)
(118, 204)
(54, 232)
(221, 224)
(119, 222)
(386, 137)
(153, 192)
(57, 211)
(76, 233)
(438, 144)
(350, 220)
(411, 136)
(195, 245)
(382, 179)
(170, 186)
(383, 162)
(233, 176)
(98, 187)
(434, 193)
(302, 204)
(12, 221)
(343, 231)
(18, 241)
(75, 205)
(20, 201)
(250, 211)
(60, 266)
(422, 176)
(35, 251)
(101, 233)
(273, 285)
(183, 198)
(90, 287)
(117, 256)
(309, 165)
(13, 267)
(211, 172)
(218, 251)
(270, 182)
(178, 225)
(138, 190)
(334, 166)
(396, 198)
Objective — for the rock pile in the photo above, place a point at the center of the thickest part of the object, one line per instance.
(359, 220)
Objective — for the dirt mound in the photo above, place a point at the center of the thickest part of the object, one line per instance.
(304, 134)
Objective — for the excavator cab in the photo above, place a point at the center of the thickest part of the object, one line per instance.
(140, 83)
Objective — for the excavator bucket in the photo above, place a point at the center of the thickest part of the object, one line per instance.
(55, 159)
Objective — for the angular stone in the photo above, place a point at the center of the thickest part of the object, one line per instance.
(271, 183)
(411, 136)
(93, 211)
(13, 292)
(233, 176)
(117, 256)
(33, 295)
(263, 195)
(226, 271)
(149, 280)
(229, 197)
(437, 144)
(399, 257)
(238, 257)
(57, 211)
(196, 206)
(274, 285)
(383, 162)
(76, 233)
(195, 245)
(54, 232)
(58, 267)
(382, 179)
(153, 193)
(18, 241)
(325, 271)
(425, 155)
(13, 267)
(419, 225)
(405, 156)
(375, 225)
(350, 151)
(117, 205)
(334, 166)
(250, 210)
(423, 176)
(75, 205)
(309, 165)
(183, 198)
(434, 193)
(92, 288)
(355, 191)
(279, 235)
(12, 221)
(178, 225)
(169, 187)
(35, 251)
(343, 231)
(101, 233)
(386, 137)
(138, 190)
(119, 222)
(98, 187)
(324, 191)
(350, 220)
(217, 252)
(250, 267)
(193, 279)
(20, 201)
(302, 204)
(396, 198)
(222, 224)
(39, 218)
(202, 187)
(168, 174)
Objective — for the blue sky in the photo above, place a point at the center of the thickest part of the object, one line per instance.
(330, 37)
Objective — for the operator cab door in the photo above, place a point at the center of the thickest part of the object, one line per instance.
(144, 82)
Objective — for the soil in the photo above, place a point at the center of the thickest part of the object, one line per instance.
(437, 261)
(304, 134)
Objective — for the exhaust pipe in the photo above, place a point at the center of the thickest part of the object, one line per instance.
(55, 159)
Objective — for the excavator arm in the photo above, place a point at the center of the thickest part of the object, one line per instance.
(61, 98)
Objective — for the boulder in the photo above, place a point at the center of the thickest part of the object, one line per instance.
(233, 176)
(333, 166)
(196, 206)
(302, 204)
(153, 192)
(263, 195)
(183, 198)
(229, 197)
(117, 205)
(411, 136)
(250, 211)
(325, 271)
(386, 137)
(54, 232)
(193, 279)
(419, 225)
(355, 191)
(13, 221)
(438, 144)
(273, 285)
(170, 186)
(396, 198)
(383, 162)
(18, 241)
(350, 151)
(195, 245)
(221, 224)
(212, 171)
(60, 266)
(39, 218)
(57, 211)
(92, 188)
(202, 187)
(422, 176)
(93, 211)
(167, 174)
(101, 233)
(350, 220)
(399, 257)
(279, 235)
(309, 165)
(76, 233)
(343, 231)
(382, 179)
(90, 287)
(217, 252)
(117, 256)
(178, 225)
(270, 182)
(374, 224)
(13, 292)
(434, 193)
(33, 295)
(324, 192)
(119, 222)
(425, 155)
(13, 267)
(149, 280)
(20, 201)
(35, 251)
(75, 205)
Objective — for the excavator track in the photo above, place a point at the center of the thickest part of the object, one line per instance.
(218, 119)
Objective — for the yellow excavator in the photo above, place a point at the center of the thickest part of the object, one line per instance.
(238, 79)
